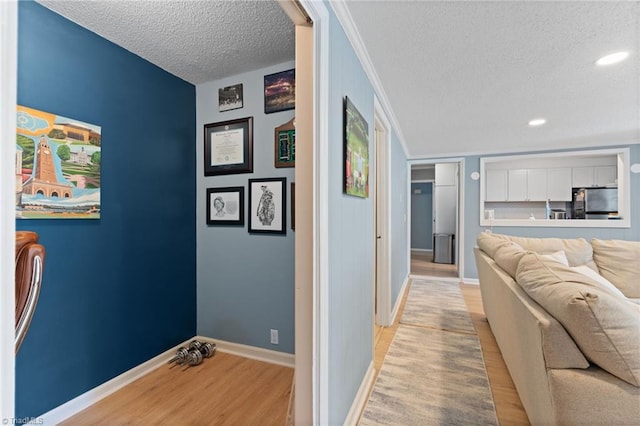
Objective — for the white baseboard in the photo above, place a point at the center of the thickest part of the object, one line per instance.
(361, 397)
(79, 403)
(471, 281)
(396, 306)
(422, 250)
(252, 352)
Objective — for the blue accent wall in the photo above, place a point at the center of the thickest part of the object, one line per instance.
(122, 289)
(422, 215)
(472, 215)
(245, 281)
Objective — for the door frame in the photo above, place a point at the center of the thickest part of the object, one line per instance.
(8, 88)
(460, 238)
(382, 225)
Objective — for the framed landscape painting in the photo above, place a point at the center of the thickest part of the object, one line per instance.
(58, 163)
(280, 91)
(356, 152)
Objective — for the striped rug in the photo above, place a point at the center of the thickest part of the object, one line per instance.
(431, 376)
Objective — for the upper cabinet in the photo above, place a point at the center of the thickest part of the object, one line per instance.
(559, 184)
(586, 176)
(514, 189)
(527, 185)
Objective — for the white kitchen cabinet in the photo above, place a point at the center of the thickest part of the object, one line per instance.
(559, 184)
(495, 185)
(594, 176)
(527, 185)
(605, 175)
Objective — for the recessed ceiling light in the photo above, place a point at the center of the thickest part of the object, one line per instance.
(537, 122)
(613, 58)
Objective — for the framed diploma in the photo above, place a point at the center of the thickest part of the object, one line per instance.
(228, 147)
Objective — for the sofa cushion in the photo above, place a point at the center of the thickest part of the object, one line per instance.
(508, 256)
(619, 262)
(577, 250)
(605, 327)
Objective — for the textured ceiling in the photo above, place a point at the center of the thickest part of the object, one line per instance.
(466, 77)
(196, 40)
(461, 77)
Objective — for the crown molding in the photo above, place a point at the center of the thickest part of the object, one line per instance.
(346, 21)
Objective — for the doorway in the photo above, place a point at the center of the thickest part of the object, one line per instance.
(435, 222)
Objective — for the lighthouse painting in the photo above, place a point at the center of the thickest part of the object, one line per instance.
(57, 166)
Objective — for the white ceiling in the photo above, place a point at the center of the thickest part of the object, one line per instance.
(460, 77)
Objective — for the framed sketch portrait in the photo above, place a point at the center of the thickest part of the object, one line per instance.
(225, 206)
(267, 206)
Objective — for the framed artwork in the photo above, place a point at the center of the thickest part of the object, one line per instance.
(356, 152)
(293, 206)
(280, 91)
(230, 97)
(225, 206)
(228, 147)
(285, 144)
(267, 206)
(58, 166)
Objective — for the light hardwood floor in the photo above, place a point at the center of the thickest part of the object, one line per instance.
(223, 390)
(422, 264)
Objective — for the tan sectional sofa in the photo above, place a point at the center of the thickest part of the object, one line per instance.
(566, 316)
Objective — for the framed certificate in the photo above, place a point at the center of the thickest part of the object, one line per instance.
(228, 147)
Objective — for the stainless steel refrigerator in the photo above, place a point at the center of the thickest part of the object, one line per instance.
(595, 203)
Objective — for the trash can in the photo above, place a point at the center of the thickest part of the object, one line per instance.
(443, 249)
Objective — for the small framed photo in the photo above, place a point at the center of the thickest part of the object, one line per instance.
(285, 144)
(225, 206)
(280, 91)
(356, 152)
(228, 147)
(230, 97)
(267, 206)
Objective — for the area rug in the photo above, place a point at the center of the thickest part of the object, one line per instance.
(432, 375)
(437, 304)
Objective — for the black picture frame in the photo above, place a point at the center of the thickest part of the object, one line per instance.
(280, 91)
(228, 147)
(231, 211)
(267, 206)
(230, 98)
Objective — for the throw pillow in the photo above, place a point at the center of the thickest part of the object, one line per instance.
(605, 327)
(558, 256)
(619, 262)
(605, 283)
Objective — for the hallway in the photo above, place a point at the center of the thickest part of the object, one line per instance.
(422, 264)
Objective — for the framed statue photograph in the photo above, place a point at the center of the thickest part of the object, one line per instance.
(228, 147)
(225, 206)
(267, 206)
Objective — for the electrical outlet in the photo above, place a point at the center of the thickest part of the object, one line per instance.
(274, 337)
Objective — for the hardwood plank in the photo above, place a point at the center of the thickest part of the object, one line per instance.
(223, 390)
(422, 264)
